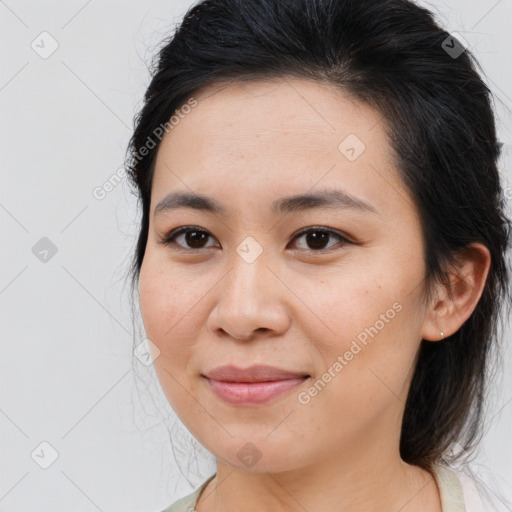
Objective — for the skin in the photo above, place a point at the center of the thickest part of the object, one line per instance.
(297, 306)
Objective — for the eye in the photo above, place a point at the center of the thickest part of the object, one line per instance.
(195, 238)
(317, 237)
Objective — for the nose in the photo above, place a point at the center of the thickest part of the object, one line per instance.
(250, 299)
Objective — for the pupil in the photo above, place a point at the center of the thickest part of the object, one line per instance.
(194, 237)
(315, 241)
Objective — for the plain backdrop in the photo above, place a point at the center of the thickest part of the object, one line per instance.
(72, 395)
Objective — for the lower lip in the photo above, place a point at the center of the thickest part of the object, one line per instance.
(245, 393)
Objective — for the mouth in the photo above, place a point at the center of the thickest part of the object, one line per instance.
(256, 373)
(253, 385)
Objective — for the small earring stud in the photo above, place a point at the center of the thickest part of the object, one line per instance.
(442, 334)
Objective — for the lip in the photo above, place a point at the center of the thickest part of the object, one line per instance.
(253, 385)
(255, 373)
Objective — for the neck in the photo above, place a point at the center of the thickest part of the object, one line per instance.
(348, 483)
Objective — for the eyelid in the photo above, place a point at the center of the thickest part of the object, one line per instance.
(167, 238)
(325, 229)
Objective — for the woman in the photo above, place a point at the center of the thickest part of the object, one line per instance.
(322, 251)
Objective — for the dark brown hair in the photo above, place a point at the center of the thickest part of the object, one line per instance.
(393, 56)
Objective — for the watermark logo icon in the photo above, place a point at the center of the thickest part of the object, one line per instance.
(249, 455)
(44, 455)
(249, 250)
(146, 352)
(44, 45)
(352, 147)
(44, 250)
(453, 454)
(454, 45)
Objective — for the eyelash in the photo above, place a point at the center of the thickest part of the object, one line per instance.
(168, 239)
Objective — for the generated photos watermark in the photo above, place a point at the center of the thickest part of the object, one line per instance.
(304, 397)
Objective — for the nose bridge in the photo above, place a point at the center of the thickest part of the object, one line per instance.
(249, 273)
(249, 298)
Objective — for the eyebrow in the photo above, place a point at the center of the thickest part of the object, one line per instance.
(331, 199)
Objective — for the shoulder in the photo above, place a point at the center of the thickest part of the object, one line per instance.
(460, 491)
(450, 489)
(188, 502)
(482, 491)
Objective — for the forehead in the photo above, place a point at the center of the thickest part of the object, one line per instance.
(292, 109)
(282, 135)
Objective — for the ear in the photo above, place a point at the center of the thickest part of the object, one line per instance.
(455, 303)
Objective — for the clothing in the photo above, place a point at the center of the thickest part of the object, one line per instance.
(450, 490)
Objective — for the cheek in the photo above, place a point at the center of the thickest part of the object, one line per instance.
(370, 336)
(150, 299)
(167, 314)
(165, 309)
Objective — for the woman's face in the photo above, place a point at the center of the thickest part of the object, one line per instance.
(340, 301)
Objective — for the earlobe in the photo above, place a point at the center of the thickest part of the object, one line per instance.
(434, 327)
(456, 302)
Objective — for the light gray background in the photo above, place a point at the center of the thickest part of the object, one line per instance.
(67, 335)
